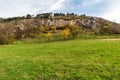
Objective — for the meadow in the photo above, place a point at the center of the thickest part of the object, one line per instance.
(78, 59)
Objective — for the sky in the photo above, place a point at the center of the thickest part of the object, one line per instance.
(108, 9)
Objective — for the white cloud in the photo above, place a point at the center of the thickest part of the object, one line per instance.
(113, 11)
(57, 5)
(87, 3)
(11, 8)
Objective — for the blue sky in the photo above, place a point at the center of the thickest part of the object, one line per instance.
(108, 9)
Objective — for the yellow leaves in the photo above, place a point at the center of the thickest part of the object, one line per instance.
(53, 29)
(44, 29)
(49, 36)
(69, 31)
(65, 33)
(75, 30)
(73, 27)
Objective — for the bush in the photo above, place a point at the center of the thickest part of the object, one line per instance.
(53, 29)
(5, 39)
(44, 29)
(65, 34)
(48, 36)
(106, 30)
(75, 30)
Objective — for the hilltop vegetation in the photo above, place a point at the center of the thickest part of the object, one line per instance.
(57, 25)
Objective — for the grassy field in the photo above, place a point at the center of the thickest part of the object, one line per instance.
(62, 60)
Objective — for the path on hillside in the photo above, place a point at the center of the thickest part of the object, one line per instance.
(110, 39)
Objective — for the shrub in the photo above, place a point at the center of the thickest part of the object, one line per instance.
(48, 36)
(65, 33)
(5, 39)
(44, 29)
(53, 29)
(105, 30)
(75, 30)
(18, 33)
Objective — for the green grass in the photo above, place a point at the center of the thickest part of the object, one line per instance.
(62, 60)
(57, 37)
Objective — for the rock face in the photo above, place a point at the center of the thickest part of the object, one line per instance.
(86, 22)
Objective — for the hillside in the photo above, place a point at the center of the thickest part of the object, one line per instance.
(35, 26)
(86, 22)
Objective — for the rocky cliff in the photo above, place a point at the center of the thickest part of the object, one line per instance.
(83, 21)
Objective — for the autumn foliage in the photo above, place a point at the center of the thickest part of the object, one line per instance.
(75, 30)
(65, 33)
(48, 36)
(53, 29)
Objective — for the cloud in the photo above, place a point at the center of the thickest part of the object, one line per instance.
(22, 7)
(57, 5)
(87, 3)
(113, 11)
(47, 5)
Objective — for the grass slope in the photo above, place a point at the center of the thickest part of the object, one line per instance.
(68, 60)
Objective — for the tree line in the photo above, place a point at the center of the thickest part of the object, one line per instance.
(39, 16)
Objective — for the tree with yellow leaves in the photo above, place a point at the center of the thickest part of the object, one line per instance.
(53, 29)
(48, 36)
(75, 30)
(65, 34)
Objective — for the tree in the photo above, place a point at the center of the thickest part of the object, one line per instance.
(53, 29)
(43, 15)
(6, 39)
(48, 36)
(59, 14)
(105, 30)
(28, 16)
(75, 30)
(65, 34)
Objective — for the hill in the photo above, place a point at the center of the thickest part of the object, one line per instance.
(61, 19)
(35, 26)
